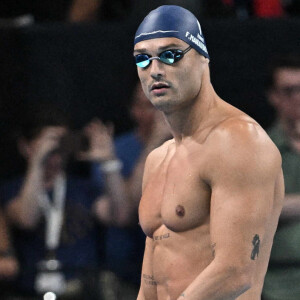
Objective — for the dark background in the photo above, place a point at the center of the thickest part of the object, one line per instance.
(88, 70)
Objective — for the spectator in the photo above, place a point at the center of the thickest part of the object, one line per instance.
(51, 212)
(283, 91)
(42, 11)
(125, 243)
(94, 10)
(66, 10)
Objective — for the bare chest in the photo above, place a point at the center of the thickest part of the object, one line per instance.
(175, 195)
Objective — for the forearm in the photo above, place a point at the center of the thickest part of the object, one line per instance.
(291, 207)
(25, 208)
(8, 263)
(217, 283)
(120, 207)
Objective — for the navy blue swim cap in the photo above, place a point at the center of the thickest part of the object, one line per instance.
(172, 21)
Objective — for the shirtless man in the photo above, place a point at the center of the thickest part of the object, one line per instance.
(213, 194)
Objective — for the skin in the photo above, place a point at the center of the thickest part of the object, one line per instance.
(45, 164)
(9, 266)
(212, 195)
(125, 193)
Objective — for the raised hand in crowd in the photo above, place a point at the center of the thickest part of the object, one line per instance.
(44, 164)
(114, 206)
(100, 140)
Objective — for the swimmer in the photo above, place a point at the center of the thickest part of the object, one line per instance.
(213, 194)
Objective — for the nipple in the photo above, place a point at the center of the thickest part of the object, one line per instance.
(180, 211)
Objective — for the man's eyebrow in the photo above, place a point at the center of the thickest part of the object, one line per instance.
(162, 48)
(143, 50)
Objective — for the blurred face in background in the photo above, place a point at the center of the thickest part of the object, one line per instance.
(46, 144)
(142, 111)
(285, 94)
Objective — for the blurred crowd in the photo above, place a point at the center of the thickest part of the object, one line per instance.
(93, 10)
(78, 236)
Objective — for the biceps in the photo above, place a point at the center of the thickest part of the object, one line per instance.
(239, 221)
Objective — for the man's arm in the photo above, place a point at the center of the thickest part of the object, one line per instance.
(24, 209)
(243, 169)
(114, 207)
(8, 263)
(148, 288)
(159, 134)
(119, 204)
(148, 284)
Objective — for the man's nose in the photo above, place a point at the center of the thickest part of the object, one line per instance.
(157, 69)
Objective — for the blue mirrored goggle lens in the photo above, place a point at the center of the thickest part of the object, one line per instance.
(142, 60)
(168, 57)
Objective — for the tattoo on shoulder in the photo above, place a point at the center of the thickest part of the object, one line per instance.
(213, 248)
(256, 245)
(182, 295)
(149, 279)
(161, 237)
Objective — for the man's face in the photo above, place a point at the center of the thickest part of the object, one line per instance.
(170, 87)
(285, 96)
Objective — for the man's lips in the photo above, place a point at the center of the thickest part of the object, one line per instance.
(159, 86)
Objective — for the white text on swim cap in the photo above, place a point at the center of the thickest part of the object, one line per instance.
(196, 41)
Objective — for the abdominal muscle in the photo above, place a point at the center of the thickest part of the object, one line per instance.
(178, 258)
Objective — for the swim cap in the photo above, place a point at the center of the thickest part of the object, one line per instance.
(172, 21)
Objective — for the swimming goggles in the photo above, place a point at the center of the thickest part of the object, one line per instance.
(168, 57)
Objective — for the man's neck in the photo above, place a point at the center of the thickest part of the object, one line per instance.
(190, 119)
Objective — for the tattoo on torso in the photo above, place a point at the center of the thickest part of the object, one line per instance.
(161, 237)
(256, 245)
(213, 248)
(149, 279)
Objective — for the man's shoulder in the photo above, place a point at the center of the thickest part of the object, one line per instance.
(241, 140)
(239, 130)
(158, 154)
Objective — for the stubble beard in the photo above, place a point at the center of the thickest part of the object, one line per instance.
(165, 104)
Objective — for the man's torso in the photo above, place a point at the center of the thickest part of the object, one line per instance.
(175, 213)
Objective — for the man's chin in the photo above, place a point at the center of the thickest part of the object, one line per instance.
(163, 104)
